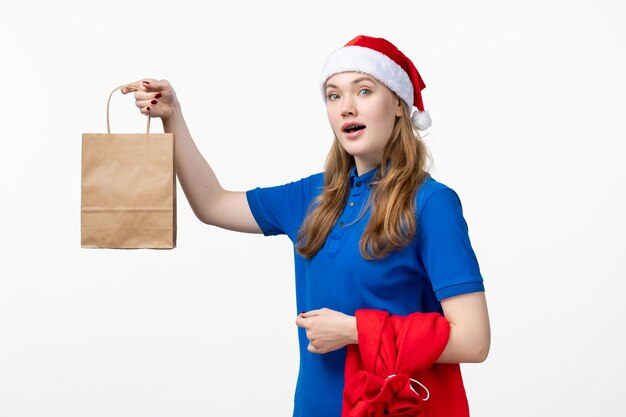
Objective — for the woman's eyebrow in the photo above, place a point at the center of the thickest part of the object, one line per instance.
(353, 82)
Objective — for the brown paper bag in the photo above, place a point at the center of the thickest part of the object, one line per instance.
(128, 189)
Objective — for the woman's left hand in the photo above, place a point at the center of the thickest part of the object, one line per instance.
(327, 329)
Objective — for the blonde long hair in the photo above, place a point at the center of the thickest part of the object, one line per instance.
(392, 225)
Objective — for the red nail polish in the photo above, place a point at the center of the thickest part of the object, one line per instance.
(154, 102)
(148, 108)
(158, 95)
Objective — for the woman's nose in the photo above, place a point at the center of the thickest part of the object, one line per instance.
(348, 107)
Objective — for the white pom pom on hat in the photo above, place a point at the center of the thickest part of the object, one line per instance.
(421, 119)
(382, 60)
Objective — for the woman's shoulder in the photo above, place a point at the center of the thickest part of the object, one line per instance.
(316, 181)
(307, 186)
(317, 177)
(431, 185)
(312, 180)
(429, 188)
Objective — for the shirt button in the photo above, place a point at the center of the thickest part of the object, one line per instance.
(358, 183)
(351, 203)
(341, 224)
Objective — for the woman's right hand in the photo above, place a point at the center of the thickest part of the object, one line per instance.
(154, 97)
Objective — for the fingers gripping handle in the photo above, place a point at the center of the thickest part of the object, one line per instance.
(109, 102)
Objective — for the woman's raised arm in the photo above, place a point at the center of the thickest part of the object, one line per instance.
(209, 201)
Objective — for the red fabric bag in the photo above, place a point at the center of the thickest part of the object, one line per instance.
(392, 370)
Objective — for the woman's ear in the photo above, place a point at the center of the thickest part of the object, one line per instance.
(399, 108)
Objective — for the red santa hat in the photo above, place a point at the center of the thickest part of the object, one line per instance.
(382, 60)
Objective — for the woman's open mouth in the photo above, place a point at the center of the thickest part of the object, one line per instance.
(354, 131)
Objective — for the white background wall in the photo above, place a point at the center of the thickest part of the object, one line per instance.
(527, 101)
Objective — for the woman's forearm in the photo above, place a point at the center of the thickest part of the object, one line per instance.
(196, 177)
(461, 347)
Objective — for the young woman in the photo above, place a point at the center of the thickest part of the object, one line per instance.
(374, 230)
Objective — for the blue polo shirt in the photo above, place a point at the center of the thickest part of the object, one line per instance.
(439, 263)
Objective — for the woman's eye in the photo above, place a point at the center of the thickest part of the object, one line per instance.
(330, 96)
(366, 89)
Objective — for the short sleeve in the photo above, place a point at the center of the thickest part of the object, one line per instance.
(445, 248)
(281, 209)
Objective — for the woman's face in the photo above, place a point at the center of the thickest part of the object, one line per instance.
(357, 98)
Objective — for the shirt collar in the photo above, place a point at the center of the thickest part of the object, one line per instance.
(365, 178)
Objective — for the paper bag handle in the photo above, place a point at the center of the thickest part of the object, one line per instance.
(109, 102)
